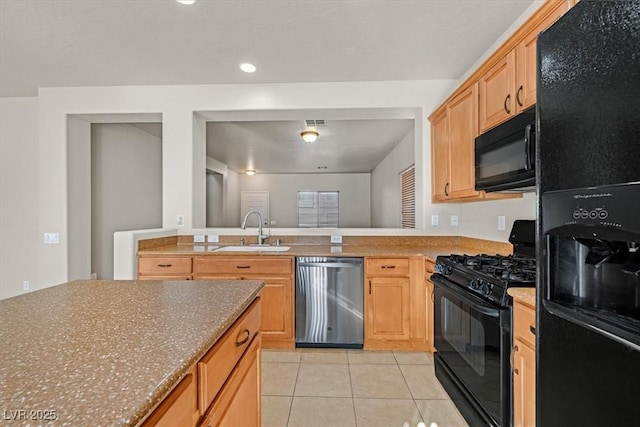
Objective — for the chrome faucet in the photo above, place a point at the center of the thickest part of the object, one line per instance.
(261, 236)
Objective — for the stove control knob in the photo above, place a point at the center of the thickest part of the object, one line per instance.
(485, 289)
(474, 284)
(443, 269)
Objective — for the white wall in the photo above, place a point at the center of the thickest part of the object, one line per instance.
(354, 188)
(480, 219)
(19, 181)
(385, 184)
(183, 148)
(126, 187)
(79, 198)
(215, 199)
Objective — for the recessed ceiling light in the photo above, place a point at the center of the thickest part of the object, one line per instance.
(189, 2)
(248, 68)
(250, 172)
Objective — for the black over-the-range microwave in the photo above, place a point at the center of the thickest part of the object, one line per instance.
(505, 155)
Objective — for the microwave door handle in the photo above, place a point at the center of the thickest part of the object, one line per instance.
(527, 148)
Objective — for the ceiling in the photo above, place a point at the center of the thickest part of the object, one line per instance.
(45, 43)
(344, 146)
(59, 43)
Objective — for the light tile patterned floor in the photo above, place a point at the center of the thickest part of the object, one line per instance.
(353, 388)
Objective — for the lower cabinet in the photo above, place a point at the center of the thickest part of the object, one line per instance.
(223, 388)
(277, 295)
(429, 304)
(394, 303)
(239, 401)
(523, 363)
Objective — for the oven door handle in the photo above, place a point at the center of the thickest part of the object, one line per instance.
(474, 302)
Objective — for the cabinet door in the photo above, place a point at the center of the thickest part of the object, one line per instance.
(429, 313)
(388, 308)
(439, 157)
(277, 309)
(462, 116)
(524, 385)
(526, 65)
(497, 101)
(239, 401)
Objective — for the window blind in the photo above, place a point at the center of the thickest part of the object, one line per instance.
(408, 197)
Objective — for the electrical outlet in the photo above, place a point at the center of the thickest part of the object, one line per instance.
(94, 276)
(51, 238)
(435, 220)
(454, 220)
(180, 221)
(501, 222)
(336, 239)
(274, 222)
(198, 238)
(213, 238)
(25, 285)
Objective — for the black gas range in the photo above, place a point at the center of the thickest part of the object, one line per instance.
(489, 276)
(472, 325)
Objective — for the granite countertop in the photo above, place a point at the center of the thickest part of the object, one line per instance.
(108, 352)
(526, 296)
(318, 250)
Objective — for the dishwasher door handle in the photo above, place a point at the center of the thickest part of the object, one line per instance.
(328, 264)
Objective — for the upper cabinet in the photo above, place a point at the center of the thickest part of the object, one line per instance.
(509, 85)
(503, 86)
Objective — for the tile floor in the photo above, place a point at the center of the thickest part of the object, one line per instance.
(322, 388)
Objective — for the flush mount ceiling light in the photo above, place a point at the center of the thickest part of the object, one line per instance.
(309, 135)
(188, 2)
(248, 68)
(250, 172)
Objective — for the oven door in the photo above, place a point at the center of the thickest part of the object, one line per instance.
(472, 338)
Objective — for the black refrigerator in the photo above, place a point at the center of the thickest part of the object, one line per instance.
(588, 228)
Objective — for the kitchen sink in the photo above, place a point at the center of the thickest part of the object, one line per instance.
(252, 248)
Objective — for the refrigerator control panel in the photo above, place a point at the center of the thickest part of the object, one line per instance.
(612, 206)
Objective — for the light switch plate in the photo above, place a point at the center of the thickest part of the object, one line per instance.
(198, 238)
(180, 221)
(435, 220)
(213, 238)
(336, 239)
(501, 222)
(454, 220)
(51, 238)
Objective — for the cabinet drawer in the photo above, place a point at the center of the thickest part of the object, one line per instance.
(388, 266)
(160, 266)
(214, 368)
(179, 408)
(244, 266)
(524, 319)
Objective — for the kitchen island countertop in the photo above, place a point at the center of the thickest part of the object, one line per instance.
(108, 352)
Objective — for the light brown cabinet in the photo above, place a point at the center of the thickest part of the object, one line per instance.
(164, 268)
(429, 304)
(277, 295)
(497, 100)
(453, 134)
(509, 85)
(180, 407)
(394, 302)
(239, 401)
(523, 363)
(223, 388)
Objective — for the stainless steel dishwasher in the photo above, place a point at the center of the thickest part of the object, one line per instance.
(329, 302)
